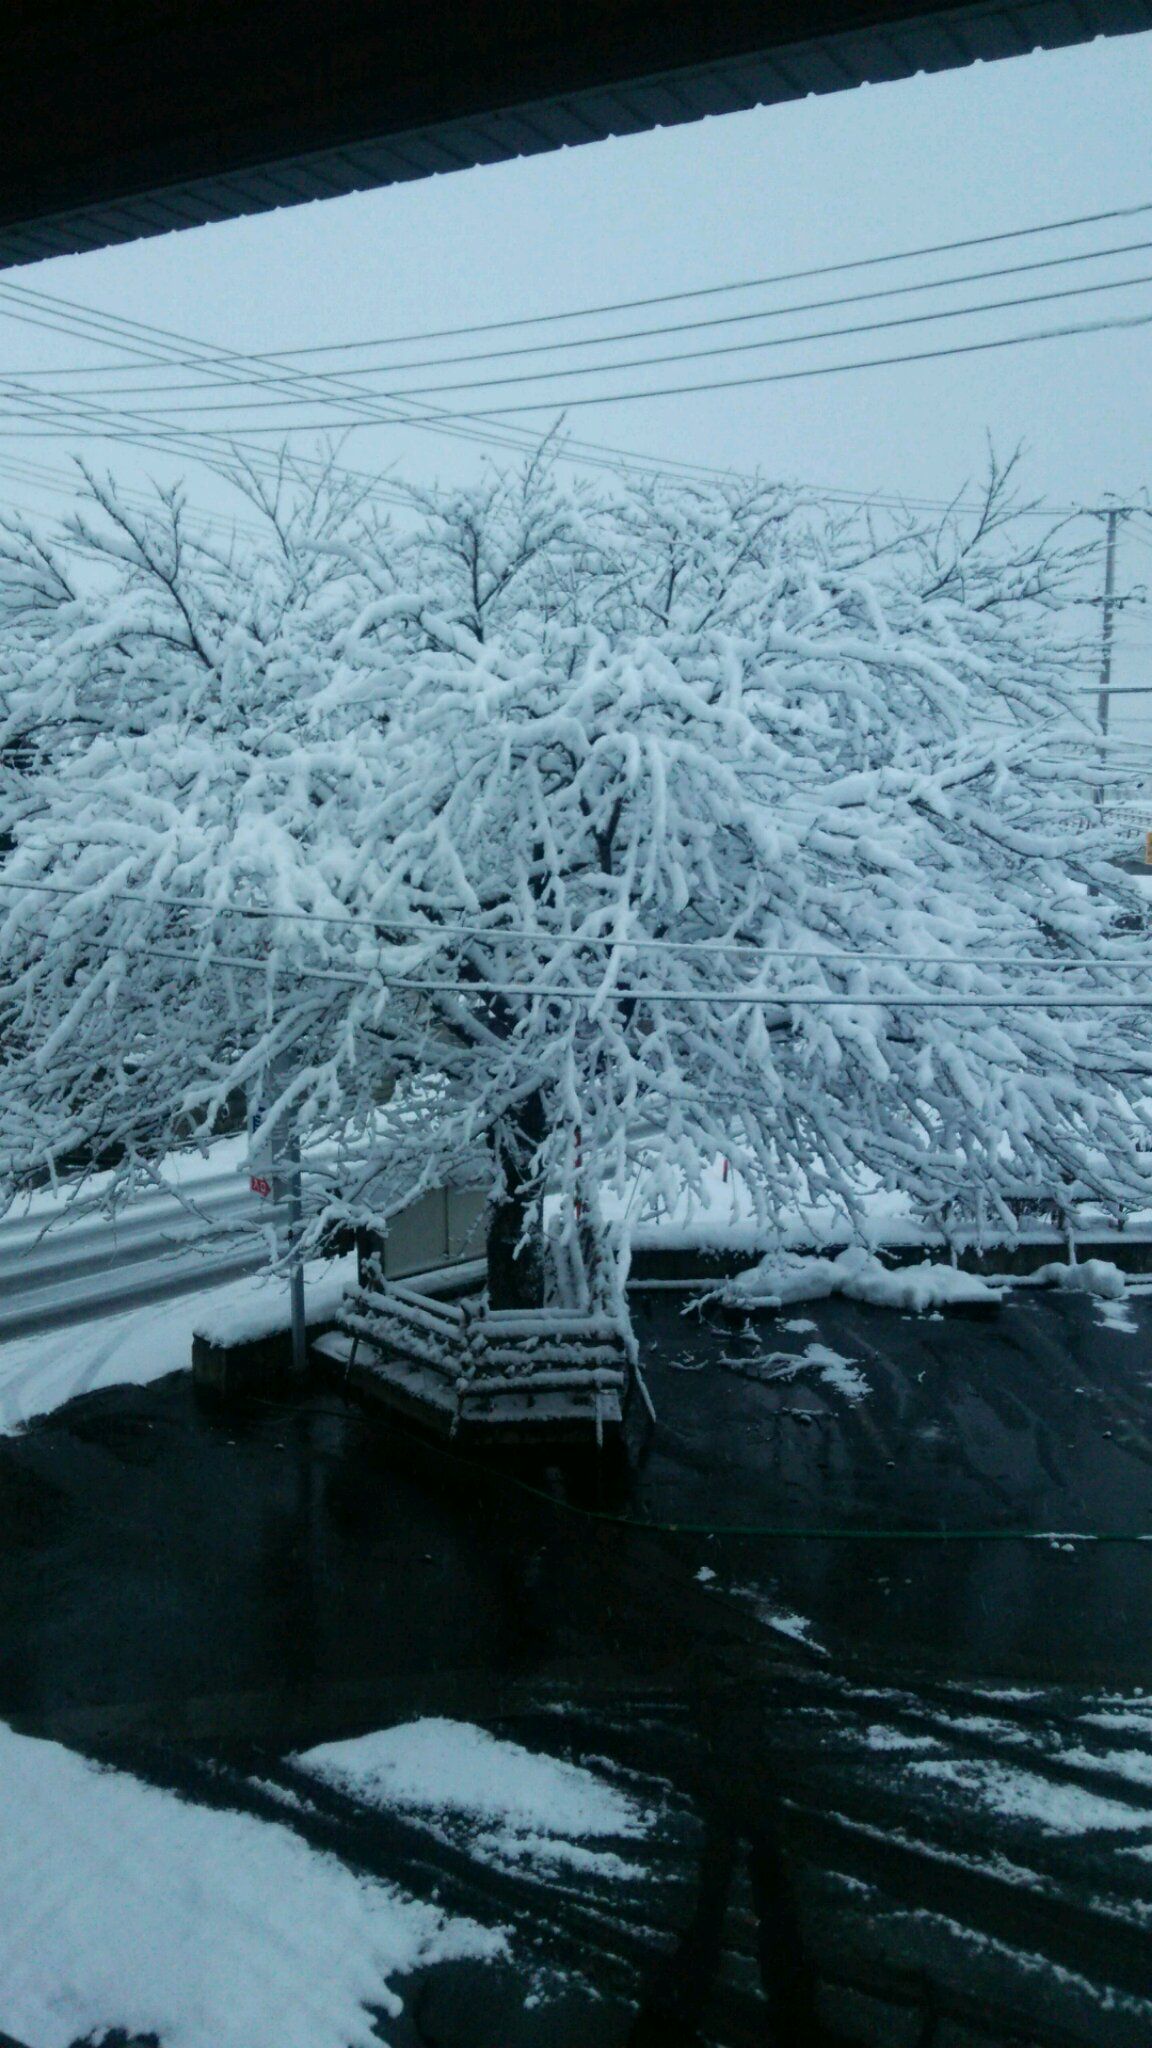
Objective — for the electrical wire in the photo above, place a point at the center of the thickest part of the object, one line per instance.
(723, 998)
(607, 458)
(780, 999)
(319, 378)
(584, 453)
(1111, 325)
(1076, 291)
(682, 297)
(506, 439)
(502, 934)
(189, 435)
(60, 482)
(514, 439)
(614, 456)
(162, 412)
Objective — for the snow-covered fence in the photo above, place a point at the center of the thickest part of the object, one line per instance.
(1128, 825)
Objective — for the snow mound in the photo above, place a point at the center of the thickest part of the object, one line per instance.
(1090, 1276)
(859, 1276)
(122, 1906)
(266, 1309)
(523, 1803)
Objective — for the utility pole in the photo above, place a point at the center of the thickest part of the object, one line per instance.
(276, 1173)
(296, 1270)
(1112, 517)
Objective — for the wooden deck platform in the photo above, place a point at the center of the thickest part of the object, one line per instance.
(526, 1376)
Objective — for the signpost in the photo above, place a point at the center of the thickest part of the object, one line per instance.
(296, 1270)
(274, 1174)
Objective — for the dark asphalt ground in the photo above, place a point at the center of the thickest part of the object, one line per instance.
(902, 1755)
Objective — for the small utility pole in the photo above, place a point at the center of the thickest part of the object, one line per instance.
(276, 1173)
(1112, 517)
(296, 1270)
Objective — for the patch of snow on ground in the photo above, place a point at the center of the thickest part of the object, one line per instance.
(880, 1737)
(1007, 1692)
(1023, 1795)
(984, 1724)
(124, 1906)
(996, 1864)
(1116, 1315)
(795, 1625)
(509, 1846)
(858, 1275)
(1133, 1720)
(834, 1368)
(526, 1804)
(1088, 1276)
(1133, 1764)
(1097, 1994)
(40, 1373)
(782, 1619)
(837, 1371)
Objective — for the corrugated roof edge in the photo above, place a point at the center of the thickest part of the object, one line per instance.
(860, 56)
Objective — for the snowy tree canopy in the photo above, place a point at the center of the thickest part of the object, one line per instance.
(585, 830)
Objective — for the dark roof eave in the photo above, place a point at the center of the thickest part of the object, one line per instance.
(118, 197)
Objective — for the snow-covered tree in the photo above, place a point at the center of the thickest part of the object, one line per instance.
(592, 833)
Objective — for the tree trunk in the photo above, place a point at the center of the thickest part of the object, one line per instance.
(516, 1276)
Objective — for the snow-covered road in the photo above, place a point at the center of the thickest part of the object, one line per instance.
(65, 1262)
(41, 1372)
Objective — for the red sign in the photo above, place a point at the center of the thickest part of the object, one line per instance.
(259, 1185)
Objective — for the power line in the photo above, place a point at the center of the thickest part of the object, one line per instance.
(594, 454)
(441, 417)
(585, 453)
(515, 439)
(1118, 322)
(138, 429)
(683, 297)
(321, 377)
(164, 412)
(781, 999)
(786, 341)
(499, 934)
(63, 483)
(750, 999)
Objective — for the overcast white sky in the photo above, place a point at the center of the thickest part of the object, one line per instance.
(822, 181)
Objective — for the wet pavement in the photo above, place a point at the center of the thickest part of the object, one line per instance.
(842, 1627)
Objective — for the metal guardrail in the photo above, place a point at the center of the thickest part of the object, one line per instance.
(69, 1265)
(58, 1270)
